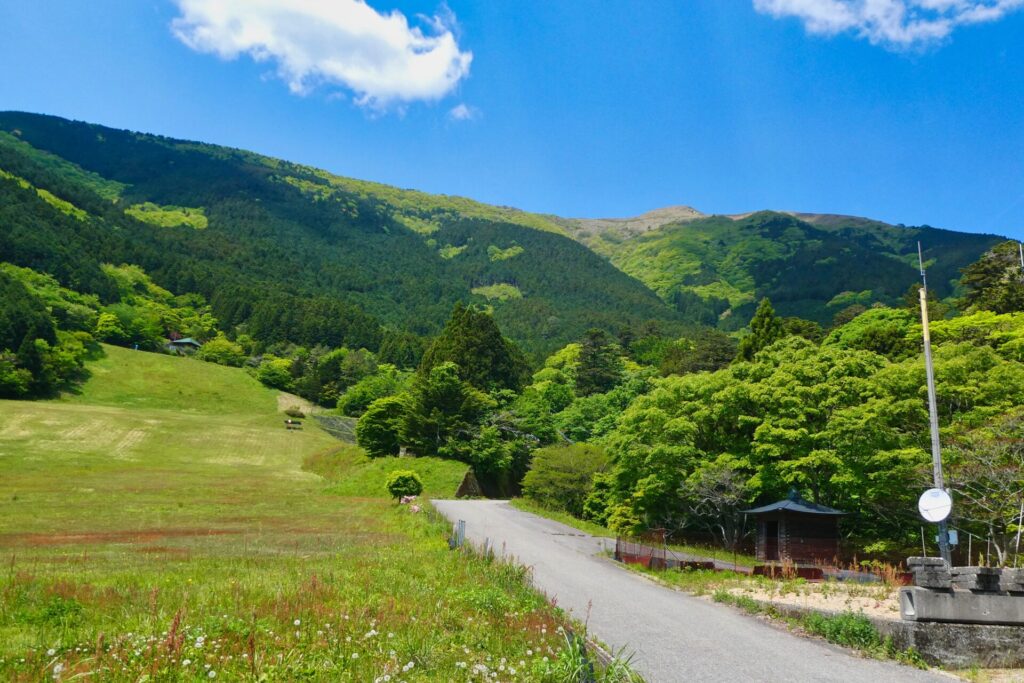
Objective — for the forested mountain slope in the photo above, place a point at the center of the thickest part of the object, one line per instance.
(293, 252)
(296, 254)
(716, 268)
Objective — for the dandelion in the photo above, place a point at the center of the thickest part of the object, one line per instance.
(51, 652)
(58, 668)
(212, 674)
(355, 655)
(186, 662)
(298, 622)
(408, 667)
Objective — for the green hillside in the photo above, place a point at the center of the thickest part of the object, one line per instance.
(292, 252)
(720, 266)
(172, 527)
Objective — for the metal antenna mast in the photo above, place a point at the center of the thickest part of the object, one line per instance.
(933, 412)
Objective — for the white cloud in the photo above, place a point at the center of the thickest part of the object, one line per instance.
(379, 57)
(894, 23)
(463, 112)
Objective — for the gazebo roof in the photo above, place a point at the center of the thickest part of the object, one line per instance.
(795, 503)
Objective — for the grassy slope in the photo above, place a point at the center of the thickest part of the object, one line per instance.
(121, 516)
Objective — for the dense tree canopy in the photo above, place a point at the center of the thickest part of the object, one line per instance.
(472, 341)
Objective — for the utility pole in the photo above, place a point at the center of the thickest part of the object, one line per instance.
(933, 412)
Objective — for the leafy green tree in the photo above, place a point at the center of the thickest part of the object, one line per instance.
(15, 381)
(222, 351)
(276, 373)
(706, 350)
(441, 407)
(402, 349)
(388, 381)
(599, 500)
(847, 314)
(995, 282)
(765, 330)
(379, 429)
(404, 483)
(599, 367)
(888, 332)
(561, 477)
(986, 474)
(798, 327)
(472, 341)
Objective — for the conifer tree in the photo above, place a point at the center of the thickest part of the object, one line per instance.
(600, 364)
(487, 360)
(765, 329)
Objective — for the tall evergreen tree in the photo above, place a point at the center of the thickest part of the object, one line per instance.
(487, 360)
(765, 329)
(995, 282)
(600, 365)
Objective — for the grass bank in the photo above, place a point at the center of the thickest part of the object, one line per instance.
(162, 524)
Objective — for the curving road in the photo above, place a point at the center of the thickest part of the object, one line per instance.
(675, 637)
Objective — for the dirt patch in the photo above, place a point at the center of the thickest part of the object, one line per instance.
(141, 536)
(871, 600)
(286, 401)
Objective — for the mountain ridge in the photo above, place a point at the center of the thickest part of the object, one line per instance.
(258, 225)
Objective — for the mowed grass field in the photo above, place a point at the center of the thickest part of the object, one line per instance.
(161, 524)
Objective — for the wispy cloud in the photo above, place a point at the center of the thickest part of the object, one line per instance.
(899, 24)
(463, 112)
(380, 58)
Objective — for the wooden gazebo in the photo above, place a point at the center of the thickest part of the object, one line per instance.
(796, 531)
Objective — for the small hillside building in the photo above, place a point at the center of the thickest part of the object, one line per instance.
(183, 346)
(796, 531)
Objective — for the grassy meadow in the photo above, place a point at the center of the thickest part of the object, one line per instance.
(161, 524)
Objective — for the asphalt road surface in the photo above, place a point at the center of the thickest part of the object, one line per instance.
(675, 637)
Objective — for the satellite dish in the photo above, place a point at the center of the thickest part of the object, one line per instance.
(935, 505)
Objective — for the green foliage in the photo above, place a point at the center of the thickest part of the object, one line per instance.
(995, 282)
(561, 477)
(222, 351)
(402, 349)
(36, 359)
(484, 358)
(885, 331)
(845, 425)
(404, 483)
(706, 350)
(298, 255)
(379, 429)
(847, 628)
(501, 291)
(387, 381)
(765, 329)
(168, 216)
(498, 254)
(599, 367)
(275, 373)
(440, 407)
(798, 327)
(808, 265)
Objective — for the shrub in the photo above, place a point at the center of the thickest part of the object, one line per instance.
(561, 477)
(222, 351)
(852, 630)
(294, 412)
(275, 373)
(404, 483)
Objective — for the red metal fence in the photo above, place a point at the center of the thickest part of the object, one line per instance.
(655, 557)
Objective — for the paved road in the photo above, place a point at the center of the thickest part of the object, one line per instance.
(676, 637)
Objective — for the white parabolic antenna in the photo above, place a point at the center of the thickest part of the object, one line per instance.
(935, 505)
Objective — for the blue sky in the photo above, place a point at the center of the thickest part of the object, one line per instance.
(578, 108)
